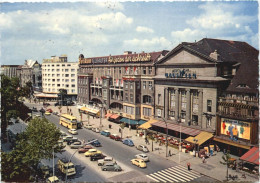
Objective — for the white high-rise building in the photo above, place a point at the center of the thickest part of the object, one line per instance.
(58, 74)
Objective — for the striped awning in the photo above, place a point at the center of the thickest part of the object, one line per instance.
(148, 124)
(175, 127)
(108, 115)
(251, 156)
(132, 122)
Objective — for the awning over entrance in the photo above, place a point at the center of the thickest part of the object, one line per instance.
(231, 143)
(132, 122)
(202, 137)
(89, 110)
(148, 124)
(45, 95)
(174, 127)
(252, 156)
(114, 116)
(108, 115)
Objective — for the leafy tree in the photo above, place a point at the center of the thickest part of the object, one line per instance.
(37, 142)
(122, 126)
(28, 90)
(10, 93)
(226, 161)
(152, 138)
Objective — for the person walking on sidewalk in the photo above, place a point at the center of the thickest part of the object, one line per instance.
(188, 165)
(203, 160)
(170, 153)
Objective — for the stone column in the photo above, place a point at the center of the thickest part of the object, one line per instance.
(166, 104)
(200, 108)
(188, 106)
(176, 103)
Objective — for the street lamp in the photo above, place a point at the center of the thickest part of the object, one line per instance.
(101, 108)
(179, 121)
(74, 154)
(166, 133)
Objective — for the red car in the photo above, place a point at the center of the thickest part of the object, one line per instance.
(49, 110)
(115, 137)
(85, 149)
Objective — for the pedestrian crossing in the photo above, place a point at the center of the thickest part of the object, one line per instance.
(174, 174)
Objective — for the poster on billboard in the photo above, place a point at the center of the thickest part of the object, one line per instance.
(235, 129)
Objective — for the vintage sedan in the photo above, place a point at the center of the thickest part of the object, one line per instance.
(115, 137)
(91, 152)
(111, 167)
(73, 131)
(142, 156)
(85, 149)
(138, 162)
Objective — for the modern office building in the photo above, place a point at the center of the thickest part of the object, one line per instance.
(58, 74)
(121, 83)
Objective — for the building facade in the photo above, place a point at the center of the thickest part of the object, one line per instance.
(31, 71)
(58, 74)
(10, 70)
(206, 85)
(121, 83)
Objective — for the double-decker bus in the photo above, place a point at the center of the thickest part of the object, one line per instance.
(70, 121)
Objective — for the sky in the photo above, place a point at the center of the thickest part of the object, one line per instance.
(40, 30)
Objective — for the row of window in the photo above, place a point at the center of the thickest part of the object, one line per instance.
(58, 75)
(130, 110)
(58, 80)
(56, 65)
(58, 85)
(127, 70)
(58, 70)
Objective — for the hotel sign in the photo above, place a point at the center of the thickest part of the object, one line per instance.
(117, 59)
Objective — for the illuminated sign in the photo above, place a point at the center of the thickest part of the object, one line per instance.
(116, 59)
(235, 129)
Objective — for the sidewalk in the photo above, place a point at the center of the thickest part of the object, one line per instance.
(212, 168)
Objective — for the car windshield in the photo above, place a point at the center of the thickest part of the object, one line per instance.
(69, 167)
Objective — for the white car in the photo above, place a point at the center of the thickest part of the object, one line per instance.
(95, 129)
(73, 131)
(142, 156)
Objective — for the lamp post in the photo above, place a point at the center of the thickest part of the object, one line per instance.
(101, 108)
(74, 154)
(179, 121)
(53, 162)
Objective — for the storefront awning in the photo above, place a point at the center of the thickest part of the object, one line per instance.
(89, 110)
(45, 95)
(114, 116)
(132, 122)
(174, 127)
(108, 115)
(231, 143)
(202, 137)
(148, 124)
(252, 156)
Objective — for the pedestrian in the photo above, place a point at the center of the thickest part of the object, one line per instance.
(170, 153)
(188, 165)
(203, 159)
(119, 130)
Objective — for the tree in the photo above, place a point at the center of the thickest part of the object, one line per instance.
(122, 126)
(37, 142)
(226, 161)
(28, 90)
(152, 138)
(10, 93)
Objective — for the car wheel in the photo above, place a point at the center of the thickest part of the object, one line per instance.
(117, 170)
(99, 164)
(105, 169)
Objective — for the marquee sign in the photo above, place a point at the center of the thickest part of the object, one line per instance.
(117, 59)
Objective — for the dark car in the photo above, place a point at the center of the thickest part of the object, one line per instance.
(34, 109)
(56, 104)
(42, 110)
(71, 141)
(95, 143)
(97, 156)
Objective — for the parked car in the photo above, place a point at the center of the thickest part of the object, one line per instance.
(73, 131)
(128, 142)
(76, 145)
(85, 149)
(47, 113)
(96, 143)
(71, 141)
(97, 156)
(63, 134)
(142, 148)
(95, 129)
(67, 138)
(61, 144)
(88, 126)
(111, 167)
(49, 110)
(107, 159)
(139, 162)
(105, 133)
(91, 152)
(115, 137)
(56, 104)
(42, 110)
(142, 156)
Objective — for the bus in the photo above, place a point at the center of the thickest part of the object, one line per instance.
(70, 121)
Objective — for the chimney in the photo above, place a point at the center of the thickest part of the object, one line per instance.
(127, 52)
(215, 55)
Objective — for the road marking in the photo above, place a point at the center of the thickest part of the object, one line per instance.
(152, 178)
(173, 175)
(178, 174)
(163, 176)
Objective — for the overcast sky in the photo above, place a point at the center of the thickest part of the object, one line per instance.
(41, 30)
